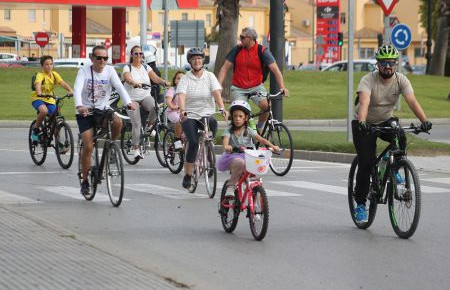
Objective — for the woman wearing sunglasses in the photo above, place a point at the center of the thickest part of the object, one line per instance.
(135, 75)
(378, 93)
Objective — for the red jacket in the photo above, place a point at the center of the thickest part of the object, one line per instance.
(247, 68)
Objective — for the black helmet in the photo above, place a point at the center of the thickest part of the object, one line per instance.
(195, 51)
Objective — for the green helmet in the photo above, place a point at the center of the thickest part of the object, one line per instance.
(386, 52)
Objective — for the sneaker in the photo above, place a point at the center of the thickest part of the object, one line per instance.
(178, 145)
(62, 149)
(187, 181)
(361, 214)
(35, 135)
(137, 154)
(84, 187)
(399, 178)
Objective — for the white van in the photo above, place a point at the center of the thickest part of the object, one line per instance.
(71, 62)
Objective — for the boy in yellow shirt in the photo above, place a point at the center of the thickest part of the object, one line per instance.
(44, 84)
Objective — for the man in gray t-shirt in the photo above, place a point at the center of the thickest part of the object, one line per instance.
(378, 92)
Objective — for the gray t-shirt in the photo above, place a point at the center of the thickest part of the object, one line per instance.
(383, 97)
(241, 140)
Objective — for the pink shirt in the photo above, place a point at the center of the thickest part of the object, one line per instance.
(171, 93)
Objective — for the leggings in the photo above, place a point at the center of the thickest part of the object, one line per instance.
(190, 128)
(148, 103)
(366, 146)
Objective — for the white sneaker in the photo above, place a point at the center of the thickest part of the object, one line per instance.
(178, 145)
(138, 154)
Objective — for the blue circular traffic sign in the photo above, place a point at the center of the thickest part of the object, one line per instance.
(401, 36)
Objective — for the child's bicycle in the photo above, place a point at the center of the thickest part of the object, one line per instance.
(174, 158)
(53, 126)
(395, 182)
(248, 194)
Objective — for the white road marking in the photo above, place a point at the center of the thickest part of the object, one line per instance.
(432, 189)
(166, 191)
(74, 192)
(444, 180)
(315, 186)
(9, 198)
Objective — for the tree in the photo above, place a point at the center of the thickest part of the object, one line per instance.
(227, 20)
(439, 33)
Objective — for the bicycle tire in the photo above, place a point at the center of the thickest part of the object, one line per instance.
(114, 169)
(126, 144)
(158, 145)
(373, 204)
(91, 173)
(64, 144)
(194, 180)
(280, 136)
(229, 208)
(210, 166)
(259, 218)
(174, 159)
(38, 149)
(404, 202)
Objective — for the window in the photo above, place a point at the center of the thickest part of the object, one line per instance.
(419, 52)
(32, 15)
(7, 14)
(342, 17)
(127, 17)
(208, 20)
(365, 52)
(251, 20)
(184, 16)
(161, 18)
(70, 16)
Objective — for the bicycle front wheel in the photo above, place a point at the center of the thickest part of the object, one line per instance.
(174, 158)
(126, 144)
(114, 174)
(38, 149)
(259, 216)
(158, 145)
(92, 173)
(371, 199)
(210, 169)
(281, 161)
(64, 146)
(404, 199)
(229, 208)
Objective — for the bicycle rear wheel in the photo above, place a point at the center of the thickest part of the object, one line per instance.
(259, 217)
(229, 208)
(38, 149)
(174, 159)
(158, 145)
(280, 136)
(92, 173)
(404, 199)
(126, 144)
(64, 146)
(371, 199)
(194, 180)
(210, 169)
(114, 174)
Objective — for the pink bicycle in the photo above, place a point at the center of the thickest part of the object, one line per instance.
(248, 195)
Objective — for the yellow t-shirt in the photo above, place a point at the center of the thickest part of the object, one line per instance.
(50, 80)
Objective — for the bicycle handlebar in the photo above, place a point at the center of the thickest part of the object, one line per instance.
(277, 96)
(55, 97)
(415, 129)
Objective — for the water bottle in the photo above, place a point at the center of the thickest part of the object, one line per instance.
(382, 165)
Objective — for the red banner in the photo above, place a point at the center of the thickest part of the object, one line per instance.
(182, 4)
(327, 28)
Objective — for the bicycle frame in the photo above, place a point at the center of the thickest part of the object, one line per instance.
(202, 154)
(270, 120)
(50, 122)
(99, 132)
(250, 181)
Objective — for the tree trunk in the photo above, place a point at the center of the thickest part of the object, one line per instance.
(228, 19)
(437, 66)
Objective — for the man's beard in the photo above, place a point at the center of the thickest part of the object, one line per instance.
(386, 74)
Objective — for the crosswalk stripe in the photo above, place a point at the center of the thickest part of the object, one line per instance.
(165, 191)
(444, 180)
(433, 189)
(315, 186)
(9, 198)
(74, 192)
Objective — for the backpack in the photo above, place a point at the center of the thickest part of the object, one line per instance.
(264, 68)
(33, 80)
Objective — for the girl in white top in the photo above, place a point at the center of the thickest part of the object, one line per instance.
(135, 75)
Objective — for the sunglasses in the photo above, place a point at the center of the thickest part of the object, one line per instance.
(384, 63)
(243, 37)
(137, 53)
(97, 57)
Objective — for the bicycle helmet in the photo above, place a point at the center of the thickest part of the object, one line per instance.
(241, 105)
(386, 52)
(195, 51)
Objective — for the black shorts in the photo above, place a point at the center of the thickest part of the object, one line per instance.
(85, 123)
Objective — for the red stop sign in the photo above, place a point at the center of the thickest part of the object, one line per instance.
(41, 39)
(107, 43)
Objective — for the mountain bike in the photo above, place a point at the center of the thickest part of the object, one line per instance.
(109, 164)
(278, 134)
(53, 126)
(393, 180)
(149, 131)
(174, 158)
(205, 163)
(248, 194)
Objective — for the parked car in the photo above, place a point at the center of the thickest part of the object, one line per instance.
(358, 65)
(7, 57)
(71, 62)
(309, 67)
(419, 69)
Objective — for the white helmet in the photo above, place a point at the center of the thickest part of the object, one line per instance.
(241, 105)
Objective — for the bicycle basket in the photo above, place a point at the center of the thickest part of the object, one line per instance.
(257, 161)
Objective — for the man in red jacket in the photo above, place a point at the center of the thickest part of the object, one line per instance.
(248, 71)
